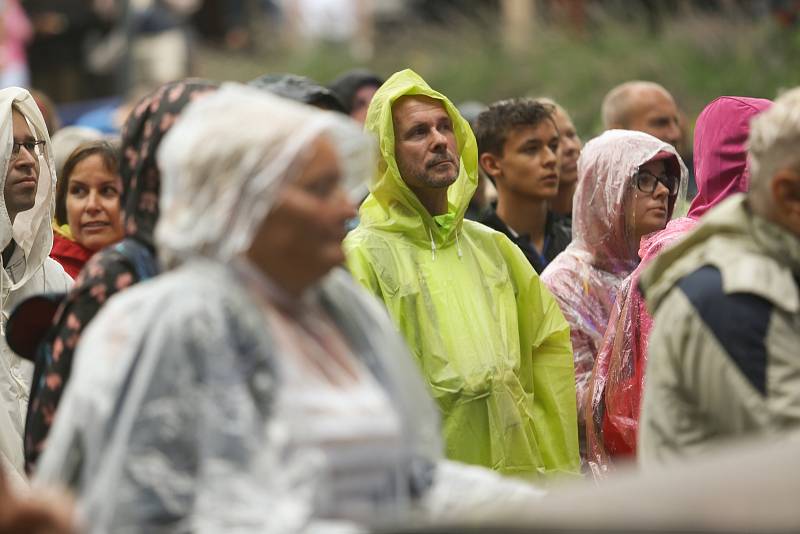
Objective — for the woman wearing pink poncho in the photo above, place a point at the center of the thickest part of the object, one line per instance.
(612, 409)
(628, 183)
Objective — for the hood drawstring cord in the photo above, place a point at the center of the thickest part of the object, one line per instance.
(433, 246)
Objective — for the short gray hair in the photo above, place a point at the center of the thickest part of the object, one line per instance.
(774, 142)
(619, 102)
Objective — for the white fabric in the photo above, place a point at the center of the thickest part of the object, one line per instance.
(33, 273)
(216, 189)
(353, 432)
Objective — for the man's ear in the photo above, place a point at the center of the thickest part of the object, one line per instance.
(785, 190)
(490, 165)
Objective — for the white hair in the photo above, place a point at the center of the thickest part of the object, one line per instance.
(774, 142)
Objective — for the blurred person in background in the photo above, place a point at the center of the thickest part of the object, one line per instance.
(569, 149)
(116, 267)
(484, 192)
(15, 33)
(149, 44)
(355, 89)
(723, 360)
(29, 183)
(484, 330)
(88, 213)
(46, 513)
(255, 387)
(613, 405)
(300, 89)
(109, 118)
(67, 139)
(49, 111)
(56, 54)
(518, 144)
(644, 107)
(628, 186)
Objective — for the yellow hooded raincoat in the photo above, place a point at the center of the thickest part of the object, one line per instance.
(490, 339)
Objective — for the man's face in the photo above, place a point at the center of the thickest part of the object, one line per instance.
(569, 149)
(425, 143)
(654, 112)
(22, 176)
(529, 164)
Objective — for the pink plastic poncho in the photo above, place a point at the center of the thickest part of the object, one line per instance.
(586, 276)
(720, 163)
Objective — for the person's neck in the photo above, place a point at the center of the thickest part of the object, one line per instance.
(525, 215)
(433, 200)
(562, 203)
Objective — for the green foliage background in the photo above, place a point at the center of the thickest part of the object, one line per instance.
(696, 57)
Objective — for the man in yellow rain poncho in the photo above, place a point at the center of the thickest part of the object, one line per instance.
(491, 341)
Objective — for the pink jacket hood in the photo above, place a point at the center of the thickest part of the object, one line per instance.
(720, 150)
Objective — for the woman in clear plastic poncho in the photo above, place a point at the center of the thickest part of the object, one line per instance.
(720, 168)
(254, 387)
(628, 186)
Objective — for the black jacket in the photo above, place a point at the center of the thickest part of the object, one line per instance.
(556, 237)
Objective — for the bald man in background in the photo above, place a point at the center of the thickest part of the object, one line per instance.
(645, 107)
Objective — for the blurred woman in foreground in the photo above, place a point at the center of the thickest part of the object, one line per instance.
(88, 212)
(254, 387)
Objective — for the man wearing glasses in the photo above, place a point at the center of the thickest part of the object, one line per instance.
(29, 183)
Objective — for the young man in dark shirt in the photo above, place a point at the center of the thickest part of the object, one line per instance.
(517, 146)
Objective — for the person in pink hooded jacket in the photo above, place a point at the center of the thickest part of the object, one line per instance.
(628, 185)
(612, 407)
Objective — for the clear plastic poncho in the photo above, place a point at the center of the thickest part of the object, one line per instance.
(169, 422)
(488, 336)
(613, 404)
(585, 277)
(33, 272)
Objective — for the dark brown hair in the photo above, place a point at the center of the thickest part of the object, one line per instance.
(107, 152)
(494, 124)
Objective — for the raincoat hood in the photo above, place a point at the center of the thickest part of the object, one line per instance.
(605, 168)
(31, 229)
(391, 205)
(142, 133)
(228, 177)
(720, 150)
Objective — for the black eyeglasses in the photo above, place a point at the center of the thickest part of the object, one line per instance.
(647, 182)
(33, 147)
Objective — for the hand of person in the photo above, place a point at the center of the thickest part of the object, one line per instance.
(48, 513)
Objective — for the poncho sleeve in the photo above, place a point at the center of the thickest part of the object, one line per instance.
(545, 337)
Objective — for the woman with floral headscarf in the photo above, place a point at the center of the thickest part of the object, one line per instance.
(116, 267)
(628, 187)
